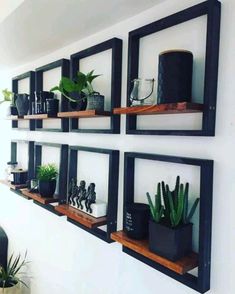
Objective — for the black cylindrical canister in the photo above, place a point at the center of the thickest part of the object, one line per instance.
(136, 220)
(175, 70)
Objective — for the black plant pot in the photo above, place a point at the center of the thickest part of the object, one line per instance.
(20, 177)
(22, 104)
(175, 76)
(95, 102)
(47, 188)
(136, 220)
(77, 106)
(13, 110)
(52, 106)
(171, 243)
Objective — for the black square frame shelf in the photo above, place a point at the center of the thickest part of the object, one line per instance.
(111, 219)
(115, 45)
(65, 65)
(202, 282)
(210, 8)
(15, 80)
(14, 152)
(63, 169)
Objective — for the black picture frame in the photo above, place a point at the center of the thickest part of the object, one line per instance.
(115, 45)
(202, 282)
(63, 170)
(113, 179)
(15, 80)
(65, 68)
(210, 8)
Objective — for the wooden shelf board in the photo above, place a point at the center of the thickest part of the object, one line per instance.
(81, 217)
(171, 108)
(83, 114)
(37, 197)
(14, 117)
(14, 187)
(181, 266)
(38, 116)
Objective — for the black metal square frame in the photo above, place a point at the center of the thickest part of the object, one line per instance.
(15, 80)
(64, 64)
(14, 153)
(63, 168)
(210, 8)
(115, 45)
(112, 188)
(202, 282)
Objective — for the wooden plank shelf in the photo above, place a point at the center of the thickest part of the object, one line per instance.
(14, 117)
(81, 217)
(38, 116)
(37, 197)
(181, 266)
(83, 114)
(11, 186)
(171, 108)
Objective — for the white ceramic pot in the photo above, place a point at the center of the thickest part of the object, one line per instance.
(12, 290)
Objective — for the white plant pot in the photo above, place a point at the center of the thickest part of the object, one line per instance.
(12, 290)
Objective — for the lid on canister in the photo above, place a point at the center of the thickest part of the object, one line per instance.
(175, 51)
(12, 163)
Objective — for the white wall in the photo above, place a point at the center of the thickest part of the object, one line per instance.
(66, 259)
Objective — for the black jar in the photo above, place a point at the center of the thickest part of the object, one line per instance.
(175, 70)
(136, 220)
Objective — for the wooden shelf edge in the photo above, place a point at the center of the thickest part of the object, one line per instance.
(11, 186)
(14, 117)
(38, 197)
(83, 114)
(171, 108)
(181, 266)
(81, 217)
(39, 116)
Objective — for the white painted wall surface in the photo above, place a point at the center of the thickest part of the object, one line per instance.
(65, 259)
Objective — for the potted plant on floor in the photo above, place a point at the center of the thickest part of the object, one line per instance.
(47, 175)
(80, 92)
(9, 280)
(170, 230)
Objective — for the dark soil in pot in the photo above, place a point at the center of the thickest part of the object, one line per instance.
(171, 243)
(47, 188)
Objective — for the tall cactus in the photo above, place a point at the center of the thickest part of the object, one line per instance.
(157, 208)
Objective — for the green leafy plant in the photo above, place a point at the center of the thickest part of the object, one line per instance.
(47, 172)
(82, 85)
(157, 208)
(8, 276)
(7, 95)
(176, 204)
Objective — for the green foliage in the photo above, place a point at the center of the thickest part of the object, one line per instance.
(176, 204)
(8, 276)
(82, 85)
(156, 209)
(7, 95)
(47, 172)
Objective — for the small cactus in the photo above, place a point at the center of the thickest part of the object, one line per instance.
(157, 208)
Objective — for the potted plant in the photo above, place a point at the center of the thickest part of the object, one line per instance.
(46, 175)
(170, 230)
(9, 280)
(8, 96)
(80, 92)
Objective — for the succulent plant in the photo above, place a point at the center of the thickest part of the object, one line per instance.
(176, 203)
(157, 208)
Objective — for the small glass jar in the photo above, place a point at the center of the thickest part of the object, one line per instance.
(142, 91)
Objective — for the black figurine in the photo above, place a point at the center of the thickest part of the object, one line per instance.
(81, 194)
(73, 191)
(90, 197)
